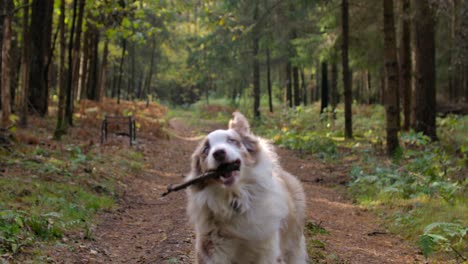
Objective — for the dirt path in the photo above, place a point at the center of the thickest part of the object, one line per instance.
(150, 229)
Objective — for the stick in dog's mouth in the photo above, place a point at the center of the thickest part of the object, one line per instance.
(226, 172)
(229, 177)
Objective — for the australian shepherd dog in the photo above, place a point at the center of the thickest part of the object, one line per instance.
(254, 215)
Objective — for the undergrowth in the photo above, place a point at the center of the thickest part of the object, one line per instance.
(51, 190)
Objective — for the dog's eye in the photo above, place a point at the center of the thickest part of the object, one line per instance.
(233, 142)
(206, 148)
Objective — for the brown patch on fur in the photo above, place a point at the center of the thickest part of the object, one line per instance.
(279, 259)
(207, 247)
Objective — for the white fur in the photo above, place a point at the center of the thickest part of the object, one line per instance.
(259, 218)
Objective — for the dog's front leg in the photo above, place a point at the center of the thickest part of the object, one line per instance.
(272, 251)
(213, 249)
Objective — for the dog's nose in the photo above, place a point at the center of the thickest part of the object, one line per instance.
(219, 155)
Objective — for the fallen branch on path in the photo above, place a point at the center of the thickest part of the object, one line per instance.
(213, 174)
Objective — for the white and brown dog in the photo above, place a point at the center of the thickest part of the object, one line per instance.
(251, 216)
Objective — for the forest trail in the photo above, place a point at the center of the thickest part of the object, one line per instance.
(149, 229)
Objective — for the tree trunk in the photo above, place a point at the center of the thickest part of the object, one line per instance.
(424, 95)
(318, 82)
(83, 83)
(150, 71)
(334, 87)
(270, 99)
(405, 62)
(40, 33)
(6, 63)
(61, 126)
(297, 94)
(103, 77)
(324, 100)
(288, 84)
(76, 50)
(303, 88)
(391, 66)
(25, 64)
(92, 89)
(69, 97)
(122, 57)
(346, 75)
(256, 67)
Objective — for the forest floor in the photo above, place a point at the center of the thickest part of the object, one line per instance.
(148, 228)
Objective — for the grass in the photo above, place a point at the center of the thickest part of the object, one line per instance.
(50, 190)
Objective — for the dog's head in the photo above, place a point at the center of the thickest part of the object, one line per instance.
(234, 145)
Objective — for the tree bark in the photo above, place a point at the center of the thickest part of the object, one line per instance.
(25, 64)
(61, 126)
(6, 63)
(40, 33)
(76, 50)
(297, 94)
(92, 89)
(122, 57)
(405, 63)
(391, 66)
(270, 99)
(256, 67)
(334, 87)
(151, 68)
(304, 88)
(288, 84)
(83, 83)
(69, 97)
(346, 75)
(324, 101)
(103, 77)
(424, 94)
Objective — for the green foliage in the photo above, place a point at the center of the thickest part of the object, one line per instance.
(301, 129)
(49, 192)
(447, 237)
(424, 173)
(34, 210)
(314, 245)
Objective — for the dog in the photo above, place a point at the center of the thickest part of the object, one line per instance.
(254, 215)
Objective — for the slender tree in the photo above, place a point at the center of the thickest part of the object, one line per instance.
(151, 68)
(256, 65)
(69, 97)
(391, 66)
(6, 62)
(268, 62)
(122, 57)
(346, 73)
(334, 87)
(61, 126)
(25, 64)
(103, 76)
(40, 33)
(424, 94)
(304, 88)
(77, 49)
(288, 84)
(405, 64)
(324, 93)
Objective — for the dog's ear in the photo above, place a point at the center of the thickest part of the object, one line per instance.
(197, 159)
(251, 143)
(239, 123)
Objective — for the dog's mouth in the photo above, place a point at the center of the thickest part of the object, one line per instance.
(229, 178)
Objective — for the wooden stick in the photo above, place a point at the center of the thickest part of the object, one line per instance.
(213, 174)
